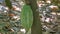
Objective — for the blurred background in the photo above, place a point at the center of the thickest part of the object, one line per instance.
(49, 12)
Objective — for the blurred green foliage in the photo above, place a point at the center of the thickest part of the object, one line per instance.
(8, 3)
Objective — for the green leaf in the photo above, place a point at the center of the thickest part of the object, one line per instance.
(26, 17)
(8, 3)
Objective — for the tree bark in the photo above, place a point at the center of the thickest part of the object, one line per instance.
(36, 26)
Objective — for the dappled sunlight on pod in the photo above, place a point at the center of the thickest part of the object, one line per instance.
(23, 30)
